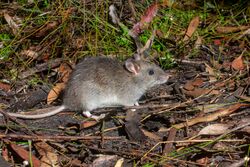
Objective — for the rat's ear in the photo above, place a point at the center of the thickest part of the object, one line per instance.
(132, 66)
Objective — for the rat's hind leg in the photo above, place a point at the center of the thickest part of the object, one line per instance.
(95, 117)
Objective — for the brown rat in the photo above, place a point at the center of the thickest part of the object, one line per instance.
(103, 82)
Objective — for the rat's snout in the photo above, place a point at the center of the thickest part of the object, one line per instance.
(164, 78)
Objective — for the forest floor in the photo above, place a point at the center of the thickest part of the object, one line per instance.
(200, 117)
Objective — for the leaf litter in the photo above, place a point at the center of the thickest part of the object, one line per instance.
(199, 118)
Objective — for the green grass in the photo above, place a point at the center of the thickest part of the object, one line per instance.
(100, 36)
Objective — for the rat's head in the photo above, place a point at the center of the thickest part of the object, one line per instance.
(146, 74)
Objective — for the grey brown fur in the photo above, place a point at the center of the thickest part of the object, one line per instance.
(100, 82)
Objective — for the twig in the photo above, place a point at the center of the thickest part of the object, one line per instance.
(55, 138)
(132, 8)
(136, 153)
(8, 117)
(171, 137)
(41, 67)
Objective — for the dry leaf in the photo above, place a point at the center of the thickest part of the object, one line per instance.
(207, 108)
(189, 86)
(246, 98)
(151, 135)
(215, 129)
(54, 92)
(13, 25)
(113, 14)
(197, 82)
(221, 29)
(193, 25)
(211, 117)
(246, 129)
(88, 124)
(145, 20)
(119, 162)
(247, 32)
(203, 161)
(5, 154)
(217, 42)
(64, 72)
(4, 86)
(46, 29)
(198, 42)
(25, 155)
(211, 73)
(168, 3)
(242, 122)
(29, 53)
(214, 92)
(104, 160)
(238, 64)
(49, 157)
(196, 92)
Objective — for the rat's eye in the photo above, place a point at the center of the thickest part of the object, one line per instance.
(151, 72)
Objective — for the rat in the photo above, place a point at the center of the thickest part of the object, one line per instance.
(100, 81)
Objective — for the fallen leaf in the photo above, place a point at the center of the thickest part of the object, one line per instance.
(196, 92)
(54, 92)
(119, 162)
(29, 53)
(238, 64)
(151, 135)
(113, 14)
(247, 32)
(168, 3)
(189, 86)
(211, 73)
(193, 25)
(222, 29)
(5, 154)
(217, 42)
(13, 25)
(87, 124)
(214, 129)
(104, 160)
(25, 155)
(4, 86)
(222, 146)
(207, 108)
(64, 72)
(214, 92)
(48, 156)
(197, 82)
(198, 42)
(203, 161)
(46, 29)
(246, 98)
(211, 117)
(145, 20)
(246, 129)
(242, 122)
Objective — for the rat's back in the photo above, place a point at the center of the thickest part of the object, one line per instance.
(92, 82)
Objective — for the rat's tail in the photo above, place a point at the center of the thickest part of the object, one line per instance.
(54, 111)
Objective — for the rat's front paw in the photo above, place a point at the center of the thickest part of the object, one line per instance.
(98, 118)
(136, 104)
(95, 117)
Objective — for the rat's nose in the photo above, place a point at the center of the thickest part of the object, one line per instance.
(164, 78)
